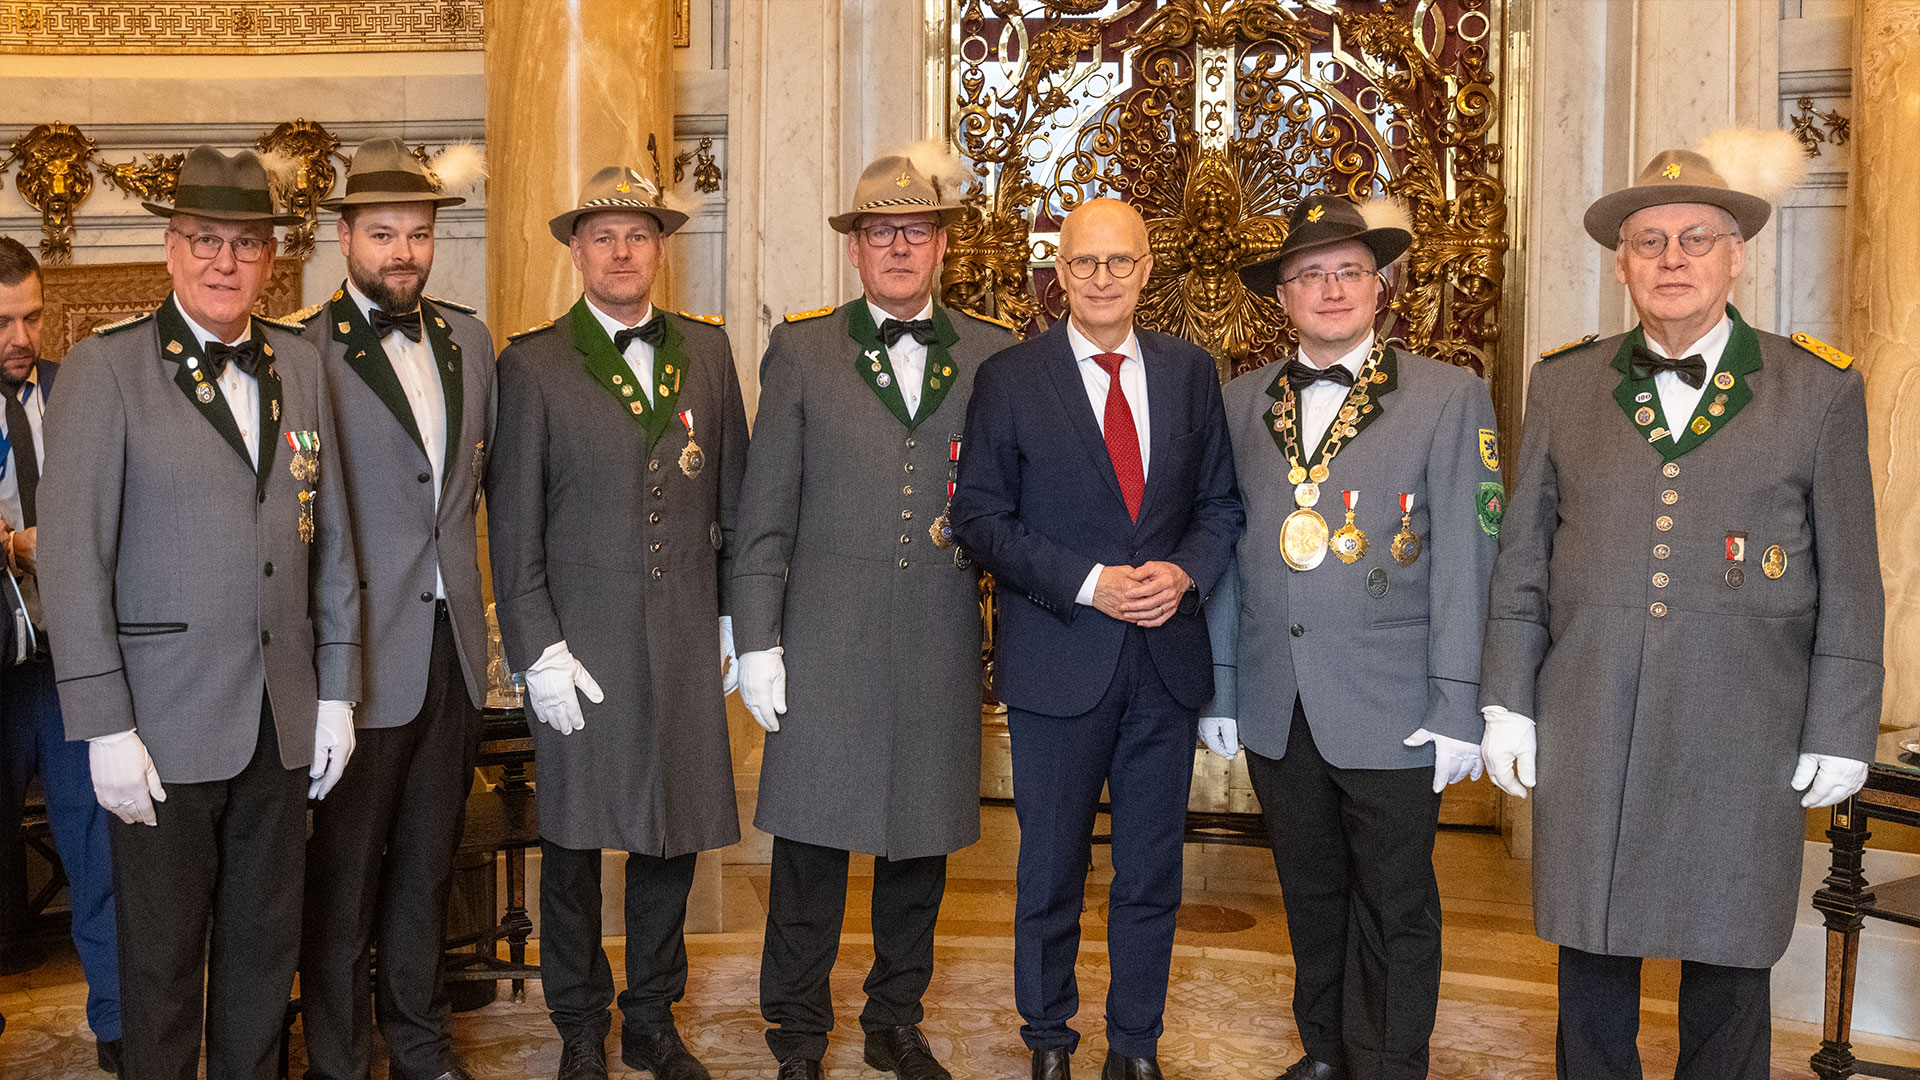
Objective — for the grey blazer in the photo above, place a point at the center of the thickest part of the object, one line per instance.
(880, 749)
(1682, 621)
(1374, 650)
(179, 581)
(399, 535)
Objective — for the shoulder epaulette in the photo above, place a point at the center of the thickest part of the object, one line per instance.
(1823, 350)
(710, 320)
(116, 327)
(802, 316)
(1004, 324)
(454, 304)
(290, 323)
(1551, 353)
(530, 331)
(305, 313)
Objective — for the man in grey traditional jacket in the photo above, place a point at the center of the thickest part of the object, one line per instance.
(849, 583)
(613, 495)
(1347, 659)
(1688, 601)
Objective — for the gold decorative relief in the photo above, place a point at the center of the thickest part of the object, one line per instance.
(79, 27)
(306, 174)
(153, 180)
(54, 177)
(1816, 126)
(682, 23)
(706, 170)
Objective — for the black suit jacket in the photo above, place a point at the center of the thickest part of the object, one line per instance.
(1038, 504)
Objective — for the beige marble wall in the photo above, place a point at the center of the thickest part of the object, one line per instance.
(1883, 312)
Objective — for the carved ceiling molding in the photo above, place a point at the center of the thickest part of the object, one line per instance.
(115, 27)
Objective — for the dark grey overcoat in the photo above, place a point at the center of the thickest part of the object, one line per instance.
(879, 750)
(1671, 705)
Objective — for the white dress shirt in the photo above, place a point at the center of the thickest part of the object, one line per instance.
(908, 357)
(413, 365)
(1320, 401)
(240, 389)
(639, 354)
(35, 404)
(1133, 383)
(1677, 399)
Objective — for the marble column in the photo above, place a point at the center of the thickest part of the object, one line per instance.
(1883, 311)
(570, 88)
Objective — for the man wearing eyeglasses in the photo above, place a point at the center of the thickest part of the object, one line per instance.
(201, 591)
(1346, 652)
(1687, 600)
(1097, 486)
(858, 619)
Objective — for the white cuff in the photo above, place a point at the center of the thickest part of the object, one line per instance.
(1086, 587)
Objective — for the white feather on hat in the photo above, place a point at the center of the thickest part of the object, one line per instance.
(458, 168)
(1387, 212)
(943, 168)
(1764, 163)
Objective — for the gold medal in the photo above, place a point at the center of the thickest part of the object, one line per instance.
(1303, 539)
(692, 458)
(1405, 548)
(1319, 473)
(941, 531)
(1296, 475)
(1774, 562)
(1306, 496)
(1348, 541)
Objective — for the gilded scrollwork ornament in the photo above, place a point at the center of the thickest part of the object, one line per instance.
(300, 156)
(54, 176)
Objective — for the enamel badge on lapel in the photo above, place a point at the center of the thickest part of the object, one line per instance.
(692, 458)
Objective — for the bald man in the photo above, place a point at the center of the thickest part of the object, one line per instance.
(1097, 486)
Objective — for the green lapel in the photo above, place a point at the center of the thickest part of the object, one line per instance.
(669, 367)
(874, 366)
(178, 344)
(610, 370)
(1728, 390)
(270, 408)
(940, 366)
(368, 360)
(1365, 397)
(446, 361)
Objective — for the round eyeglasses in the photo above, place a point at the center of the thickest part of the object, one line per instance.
(1119, 266)
(1652, 243)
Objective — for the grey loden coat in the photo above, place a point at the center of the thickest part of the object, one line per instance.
(401, 536)
(1374, 650)
(175, 572)
(598, 538)
(1670, 706)
(879, 750)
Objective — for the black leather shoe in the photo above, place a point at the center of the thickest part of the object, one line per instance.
(1054, 1064)
(107, 1053)
(1129, 1068)
(903, 1051)
(583, 1059)
(799, 1068)
(661, 1053)
(1308, 1069)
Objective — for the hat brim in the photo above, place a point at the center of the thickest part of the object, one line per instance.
(1387, 245)
(669, 220)
(945, 213)
(1609, 212)
(223, 215)
(377, 198)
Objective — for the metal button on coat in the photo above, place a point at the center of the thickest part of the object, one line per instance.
(906, 515)
(905, 539)
(1669, 496)
(658, 573)
(653, 466)
(909, 466)
(1657, 610)
(268, 570)
(653, 518)
(1670, 470)
(656, 493)
(1661, 551)
(903, 564)
(1660, 581)
(655, 546)
(1663, 523)
(1296, 630)
(425, 477)
(266, 637)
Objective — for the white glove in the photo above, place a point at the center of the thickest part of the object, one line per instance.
(1827, 779)
(1221, 734)
(1453, 759)
(763, 685)
(1508, 750)
(124, 779)
(332, 745)
(729, 660)
(551, 683)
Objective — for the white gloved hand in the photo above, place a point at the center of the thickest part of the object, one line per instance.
(1453, 759)
(551, 685)
(763, 685)
(1221, 734)
(1827, 779)
(332, 745)
(124, 779)
(729, 660)
(1507, 749)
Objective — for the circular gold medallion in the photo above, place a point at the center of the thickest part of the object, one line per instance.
(1296, 475)
(1303, 539)
(1405, 548)
(1318, 473)
(1306, 496)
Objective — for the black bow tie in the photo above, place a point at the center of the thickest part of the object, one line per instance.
(1300, 373)
(1647, 363)
(384, 324)
(653, 332)
(893, 330)
(245, 356)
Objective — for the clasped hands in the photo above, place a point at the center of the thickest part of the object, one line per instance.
(1146, 595)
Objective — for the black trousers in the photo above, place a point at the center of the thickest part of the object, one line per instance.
(573, 969)
(1726, 1020)
(805, 909)
(1354, 852)
(379, 866)
(213, 891)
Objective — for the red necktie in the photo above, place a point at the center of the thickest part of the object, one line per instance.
(1123, 440)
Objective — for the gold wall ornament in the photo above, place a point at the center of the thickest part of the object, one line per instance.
(152, 181)
(167, 27)
(311, 151)
(706, 170)
(1214, 116)
(1815, 126)
(55, 176)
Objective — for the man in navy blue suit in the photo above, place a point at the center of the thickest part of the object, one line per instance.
(1097, 486)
